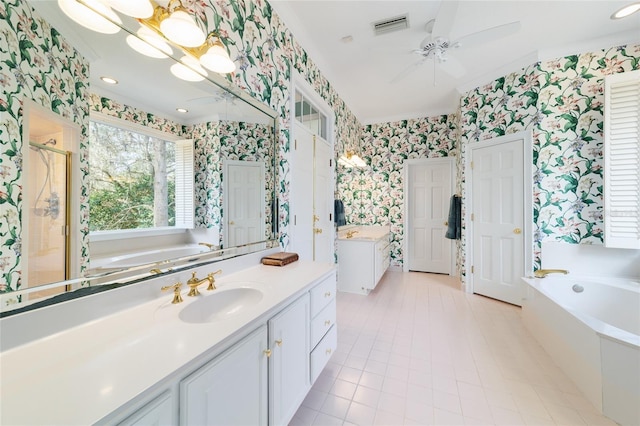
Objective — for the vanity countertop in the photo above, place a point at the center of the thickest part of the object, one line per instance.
(83, 374)
(362, 232)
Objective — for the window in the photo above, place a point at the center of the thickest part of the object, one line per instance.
(138, 179)
(308, 115)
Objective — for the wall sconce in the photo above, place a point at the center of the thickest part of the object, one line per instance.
(351, 159)
(158, 25)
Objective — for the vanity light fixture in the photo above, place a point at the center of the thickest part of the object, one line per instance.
(627, 10)
(188, 69)
(172, 23)
(351, 159)
(109, 80)
(149, 43)
(136, 8)
(92, 14)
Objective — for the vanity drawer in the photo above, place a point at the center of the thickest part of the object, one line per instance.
(322, 322)
(322, 295)
(321, 354)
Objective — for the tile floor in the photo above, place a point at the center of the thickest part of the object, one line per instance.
(419, 351)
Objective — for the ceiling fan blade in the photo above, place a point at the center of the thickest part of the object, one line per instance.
(405, 73)
(445, 18)
(490, 34)
(453, 67)
(428, 39)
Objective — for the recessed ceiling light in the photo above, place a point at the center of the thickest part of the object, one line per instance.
(626, 11)
(182, 110)
(109, 80)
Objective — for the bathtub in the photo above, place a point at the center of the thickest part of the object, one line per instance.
(130, 260)
(591, 329)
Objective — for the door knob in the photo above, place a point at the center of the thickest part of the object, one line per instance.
(232, 223)
(446, 224)
(317, 230)
(517, 231)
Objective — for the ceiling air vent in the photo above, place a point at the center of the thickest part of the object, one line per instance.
(389, 25)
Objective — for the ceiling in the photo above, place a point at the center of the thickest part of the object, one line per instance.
(376, 75)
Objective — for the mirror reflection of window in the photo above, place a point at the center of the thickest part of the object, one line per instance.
(137, 180)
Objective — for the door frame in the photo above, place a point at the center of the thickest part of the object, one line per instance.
(527, 183)
(405, 217)
(300, 84)
(225, 192)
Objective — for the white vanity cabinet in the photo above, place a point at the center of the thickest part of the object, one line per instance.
(288, 361)
(323, 330)
(157, 412)
(362, 262)
(231, 389)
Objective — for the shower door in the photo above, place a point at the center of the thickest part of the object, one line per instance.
(48, 216)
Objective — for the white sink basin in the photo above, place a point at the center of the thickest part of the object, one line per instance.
(220, 304)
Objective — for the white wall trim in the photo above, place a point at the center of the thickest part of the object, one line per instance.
(405, 217)
(527, 171)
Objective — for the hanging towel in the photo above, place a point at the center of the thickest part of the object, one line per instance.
(338, 212)
(454, 230)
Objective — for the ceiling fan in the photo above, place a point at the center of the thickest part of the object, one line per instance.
(438, 46)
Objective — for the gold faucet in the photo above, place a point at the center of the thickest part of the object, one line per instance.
(194, 282)
(176, 292)
(211, 246)
(542, 273)
(350, 234)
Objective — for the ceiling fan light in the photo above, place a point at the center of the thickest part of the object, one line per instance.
(188, 69)
(149, 44)
(626, 11)
(97, 17)
(217, 60)
(136, 8)
(180, 28)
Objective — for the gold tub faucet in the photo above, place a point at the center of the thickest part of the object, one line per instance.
(542, 273)
(350, 234)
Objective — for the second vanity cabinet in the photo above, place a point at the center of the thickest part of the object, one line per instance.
(362, 262)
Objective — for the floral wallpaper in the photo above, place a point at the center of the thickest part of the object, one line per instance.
(227, 140)
(374, 196)
(36, 64)
(561, 102)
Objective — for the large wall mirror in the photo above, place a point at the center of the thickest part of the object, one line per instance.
(232, 147)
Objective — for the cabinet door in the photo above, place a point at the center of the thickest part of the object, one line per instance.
(231, 389)
(157, 412)
(289, 362)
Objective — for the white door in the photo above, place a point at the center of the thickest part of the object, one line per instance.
(498, 220)
(430, 186)
(244, 205)
(311, 196)
(323, 202)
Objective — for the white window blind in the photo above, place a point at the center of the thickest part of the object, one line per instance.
(622, 160)
(184, 184)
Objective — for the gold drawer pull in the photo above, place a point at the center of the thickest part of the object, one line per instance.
(327, 294)
(328, 351)
(267, 352)
(327, 322)
(279, 342)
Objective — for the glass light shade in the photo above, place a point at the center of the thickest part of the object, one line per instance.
(217, 60)
(358, 162)
(136, 8)
(188, 69)
(149, 44)
(86, 17)
(181, 29)
(626, 11)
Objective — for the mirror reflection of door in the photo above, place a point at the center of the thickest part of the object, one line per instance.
(243, 202)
